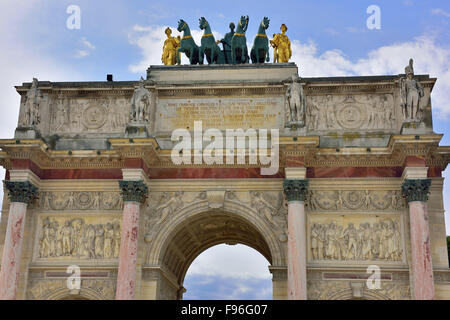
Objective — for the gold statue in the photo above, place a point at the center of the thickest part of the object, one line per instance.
(281, 46)
(169, 55)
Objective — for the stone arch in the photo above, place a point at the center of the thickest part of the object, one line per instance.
(347, 294)
(197, 227)
(83, 294)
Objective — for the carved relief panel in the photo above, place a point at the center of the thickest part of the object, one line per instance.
(355, 238)
(77, 237)
(84, 115)
(74, 200)
(351, 112)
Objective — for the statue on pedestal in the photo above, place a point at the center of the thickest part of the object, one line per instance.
(140, 104)
(282, 46)
(32, 103)
(296, 101)
(411, 93)
(169, 55)
(226, 43)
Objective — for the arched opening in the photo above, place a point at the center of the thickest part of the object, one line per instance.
(192, 232)
(235, 272)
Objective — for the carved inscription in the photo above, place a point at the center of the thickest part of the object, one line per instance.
(229, 113)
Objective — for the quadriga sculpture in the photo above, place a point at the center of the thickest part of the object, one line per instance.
(187, 44)
(239, 51)
(209, 47)
(260, 49)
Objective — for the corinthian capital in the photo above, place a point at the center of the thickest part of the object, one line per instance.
(295, 189)
(133, 190)
(416, 189)
(21, 191)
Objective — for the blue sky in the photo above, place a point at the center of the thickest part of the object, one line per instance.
(329, 38)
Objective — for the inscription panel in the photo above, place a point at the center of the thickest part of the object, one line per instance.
(220, 113)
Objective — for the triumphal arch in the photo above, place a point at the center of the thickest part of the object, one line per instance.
(129, 181)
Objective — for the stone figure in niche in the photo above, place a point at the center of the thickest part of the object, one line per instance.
(140, 104)
(296, 101)
(330, 116)
(411, 93)
(32, 102)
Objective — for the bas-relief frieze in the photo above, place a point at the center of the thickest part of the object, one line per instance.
(80, 115)
(75, 200)
(319, 200)
(47, 289)
(336, 290)
(87, 237)
(355, 238)
(351, 112)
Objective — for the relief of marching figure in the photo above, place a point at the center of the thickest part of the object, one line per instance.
(380, 240)
(77, 239)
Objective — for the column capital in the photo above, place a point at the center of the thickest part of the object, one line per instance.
(295, 189)
(416, 189)
(133, 190)
(21, 191)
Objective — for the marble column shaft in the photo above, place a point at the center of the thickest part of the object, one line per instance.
(416, 193)
(134, 193)
(296, 191)
(20, 194)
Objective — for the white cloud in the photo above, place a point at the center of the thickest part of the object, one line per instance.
(86, 43)
(440, 12)
(81, 54)
(236, 262)
(429, 58)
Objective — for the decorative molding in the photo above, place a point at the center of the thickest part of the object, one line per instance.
(416, 189)
(80, 200)
(133, 190)
(21, 191)
(295, 190)
(57, 289)
(338, 200)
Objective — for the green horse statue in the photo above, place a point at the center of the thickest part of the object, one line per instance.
(260, 49)
(209, 46)
(187, 44)
(239, 51)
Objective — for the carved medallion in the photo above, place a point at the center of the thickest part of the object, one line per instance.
(94, 117)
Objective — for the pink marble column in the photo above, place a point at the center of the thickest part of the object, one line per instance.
(421, 264)
(134, 193)
(295, 191)
(416, 193)
(21, 193)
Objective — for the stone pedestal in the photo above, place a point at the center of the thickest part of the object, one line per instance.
(134, 193)
(416, 193)
(136, 130)
(26, 133)
(20, 193)
(296, 191)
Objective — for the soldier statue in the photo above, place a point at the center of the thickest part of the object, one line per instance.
(140, 103)
(411, 92)
(296, 101)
